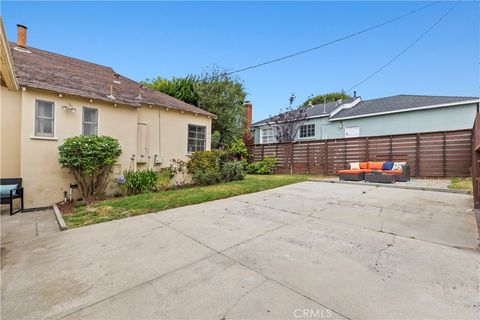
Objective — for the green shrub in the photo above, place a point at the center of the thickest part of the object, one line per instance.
(266, 166)
(211, 160)
(164, 178)
(210, 167)
(233, 170)
(206, 177)
(238, 149)
(140, 181)
(90, 159)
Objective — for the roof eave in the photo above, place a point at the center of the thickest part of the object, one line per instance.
(7, 61)
(443, 105)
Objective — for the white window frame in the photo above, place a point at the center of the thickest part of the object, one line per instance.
(36, 133)
(262, 141)
(84, 122)
(204, 139)
(307, 131)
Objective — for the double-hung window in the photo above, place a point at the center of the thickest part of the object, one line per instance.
(266, 135)
(44, 118)
(89, 122)
(307, 131)
(196, 138)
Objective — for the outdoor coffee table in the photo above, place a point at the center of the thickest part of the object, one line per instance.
(380, 177)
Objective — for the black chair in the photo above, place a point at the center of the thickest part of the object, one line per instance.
(14, 194)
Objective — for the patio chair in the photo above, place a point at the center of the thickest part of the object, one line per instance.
(12, 194)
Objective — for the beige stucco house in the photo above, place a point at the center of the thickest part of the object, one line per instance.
(47, 97)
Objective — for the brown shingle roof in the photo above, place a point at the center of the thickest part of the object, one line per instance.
(50, 71)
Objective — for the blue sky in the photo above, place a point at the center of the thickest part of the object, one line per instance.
(145, 39)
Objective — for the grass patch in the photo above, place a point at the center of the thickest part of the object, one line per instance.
(152, 202)
(461, 183)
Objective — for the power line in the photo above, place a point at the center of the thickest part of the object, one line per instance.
(406, 49)
(327, 43)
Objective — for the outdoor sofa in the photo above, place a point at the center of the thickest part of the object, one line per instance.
(357, 170)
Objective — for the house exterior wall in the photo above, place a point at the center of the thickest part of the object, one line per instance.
(10, 117)
(437, 119)
(36, 159)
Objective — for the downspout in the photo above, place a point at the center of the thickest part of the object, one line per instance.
(159, 159)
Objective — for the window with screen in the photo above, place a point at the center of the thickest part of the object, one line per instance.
(44, 118)
(196, 138)
(90, 122)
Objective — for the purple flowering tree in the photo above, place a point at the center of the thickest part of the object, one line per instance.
(286, 124)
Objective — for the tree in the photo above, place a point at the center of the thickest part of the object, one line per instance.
(287, 123)
(222, 95)
(327, 97)
(180, 88)
(90, 159)
(213, 91)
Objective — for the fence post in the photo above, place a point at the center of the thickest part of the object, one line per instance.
(326, 157)
(417, 157)
(444, 154)
(291, 158)
(263, 147)
(308, 157)
(391, 151)
(368, 150)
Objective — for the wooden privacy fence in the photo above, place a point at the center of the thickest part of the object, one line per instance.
(432, 154)
(476, 164)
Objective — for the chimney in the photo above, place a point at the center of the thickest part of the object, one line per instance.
(247, 123)
(21, 36)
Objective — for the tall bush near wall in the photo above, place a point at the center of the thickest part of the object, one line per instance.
(210, 167)
(90, 159)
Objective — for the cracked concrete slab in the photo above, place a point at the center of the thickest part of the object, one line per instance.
(224, 223)
(52, 275)
(300, 251)
(28, 225)
(214, 288)
(425, 215)
(380, 275)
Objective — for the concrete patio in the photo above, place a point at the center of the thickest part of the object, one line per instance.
(309, 250)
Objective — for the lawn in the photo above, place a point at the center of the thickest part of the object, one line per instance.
(152, 202)
(461, 183)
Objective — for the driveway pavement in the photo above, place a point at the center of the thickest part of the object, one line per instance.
(309, 250)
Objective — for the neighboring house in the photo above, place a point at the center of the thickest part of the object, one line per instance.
(383, 116)
(47, 97)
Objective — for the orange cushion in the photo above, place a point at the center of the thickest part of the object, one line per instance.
(375, 165)
(363, 165)
(393, 171)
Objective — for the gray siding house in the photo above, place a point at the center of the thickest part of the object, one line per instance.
(398, 114)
